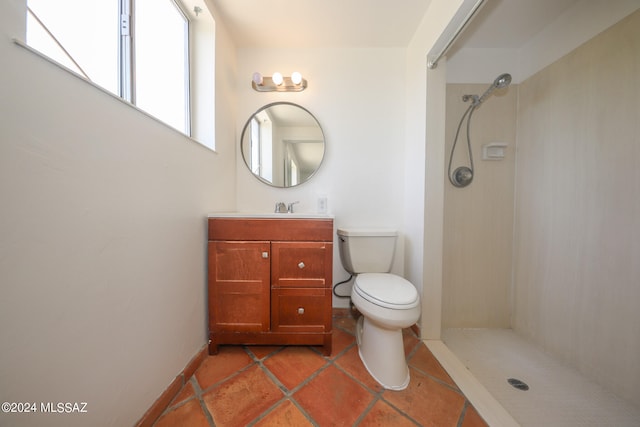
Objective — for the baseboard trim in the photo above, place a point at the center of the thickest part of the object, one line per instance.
(167, 396)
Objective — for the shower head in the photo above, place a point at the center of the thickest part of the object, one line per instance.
(503, 80)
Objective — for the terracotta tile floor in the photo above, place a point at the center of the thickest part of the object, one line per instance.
(297, 386)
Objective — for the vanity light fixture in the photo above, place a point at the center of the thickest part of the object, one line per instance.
(277, 78)
(296, 78)
(278, 83)
(257, 79)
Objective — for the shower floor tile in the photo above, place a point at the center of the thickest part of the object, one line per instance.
(557, 396)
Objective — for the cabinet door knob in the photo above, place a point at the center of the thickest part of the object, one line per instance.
(301, 264)
(265, 254)
(300, 310)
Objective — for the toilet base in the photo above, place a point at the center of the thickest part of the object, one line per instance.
(382, 353)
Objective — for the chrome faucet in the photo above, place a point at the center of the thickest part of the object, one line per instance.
(281, 208)
(290, 207)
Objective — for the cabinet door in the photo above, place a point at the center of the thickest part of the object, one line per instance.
(301, 264)
(239, 292)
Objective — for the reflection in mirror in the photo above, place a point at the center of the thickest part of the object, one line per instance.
(282, 144)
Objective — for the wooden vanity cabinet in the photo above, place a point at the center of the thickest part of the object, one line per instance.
(270, 281)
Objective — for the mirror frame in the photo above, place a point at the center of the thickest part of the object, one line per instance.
(247, 128)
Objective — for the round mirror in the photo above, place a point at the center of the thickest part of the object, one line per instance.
(282, 144)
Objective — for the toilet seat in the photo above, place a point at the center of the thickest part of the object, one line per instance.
(386, 290)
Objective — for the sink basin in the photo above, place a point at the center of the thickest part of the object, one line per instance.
(296, 215)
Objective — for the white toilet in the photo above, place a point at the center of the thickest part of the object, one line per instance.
(388, 303)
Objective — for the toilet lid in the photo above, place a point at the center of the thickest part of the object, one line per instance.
(386, 290)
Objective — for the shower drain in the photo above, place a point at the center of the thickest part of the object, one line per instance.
(520, 385)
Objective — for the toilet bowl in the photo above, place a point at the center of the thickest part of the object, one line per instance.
(388, 304)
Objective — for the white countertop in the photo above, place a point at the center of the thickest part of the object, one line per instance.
(295, 215)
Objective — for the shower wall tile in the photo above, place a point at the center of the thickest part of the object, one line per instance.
(577, 230)
(478, 224)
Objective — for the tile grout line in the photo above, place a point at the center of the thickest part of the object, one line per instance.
(288, 394)
(436, 379)
(463, 413)
(366, 411)
(439, 381)
(225, 379)
(378, 396)
(381, 395)
(199, 392)
(351, 376)
(198, 395)
(304, 412)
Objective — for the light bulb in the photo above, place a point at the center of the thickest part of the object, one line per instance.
(257, 78)
(277, 79)
(296, 78)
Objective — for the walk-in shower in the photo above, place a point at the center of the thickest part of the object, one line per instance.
(538, 282)
(463, 175)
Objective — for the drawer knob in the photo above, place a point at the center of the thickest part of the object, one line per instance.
(300, 310)
(301, 265)
(265, 254)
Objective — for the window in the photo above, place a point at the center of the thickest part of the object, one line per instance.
(87, 45)
(162, 61)
(139, 50)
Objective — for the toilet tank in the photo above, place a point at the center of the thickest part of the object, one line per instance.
(366, 250)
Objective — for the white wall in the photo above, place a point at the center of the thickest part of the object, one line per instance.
(424, 163)
(102, 241)
(577, 233)
(358, 97)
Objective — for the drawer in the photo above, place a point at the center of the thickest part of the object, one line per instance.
(271, 229)
(301, 264)
(301, 310)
